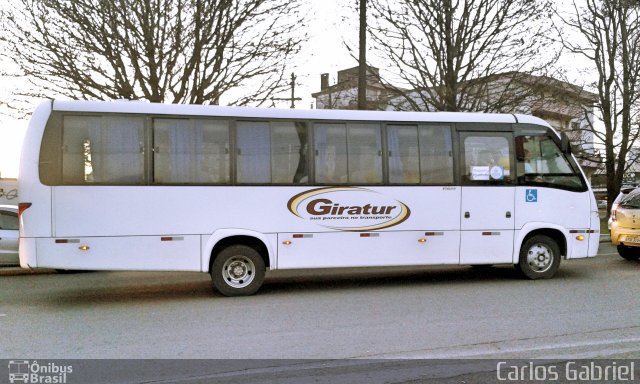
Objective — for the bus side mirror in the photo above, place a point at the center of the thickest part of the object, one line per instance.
(565, 144)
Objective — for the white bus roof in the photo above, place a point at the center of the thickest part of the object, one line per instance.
(123, 106)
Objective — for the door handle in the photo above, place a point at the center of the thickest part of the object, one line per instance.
(467, 215)
(508, 215)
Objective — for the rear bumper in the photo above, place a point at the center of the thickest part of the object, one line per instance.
(28, 252)
(618, 234)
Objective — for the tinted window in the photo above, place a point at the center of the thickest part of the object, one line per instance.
(253, 154)
(365, 153)
(420, 154)
(331, 153)
(436, 154)
(404, 155)
(348, 153)
(289, 162)
(540, 162)
(486, 159)
(103, 150)
(191, 151)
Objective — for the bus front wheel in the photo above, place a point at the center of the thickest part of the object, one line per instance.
(238, 270)
(539, 258)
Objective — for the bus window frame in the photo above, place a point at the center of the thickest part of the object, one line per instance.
(50, 155)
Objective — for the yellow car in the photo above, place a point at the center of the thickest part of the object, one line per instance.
(625, 226)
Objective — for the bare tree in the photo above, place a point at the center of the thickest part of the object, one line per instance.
(610, 41)
(179, 51)
(457, 55)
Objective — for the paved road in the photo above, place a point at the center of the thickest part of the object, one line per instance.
(590, 309)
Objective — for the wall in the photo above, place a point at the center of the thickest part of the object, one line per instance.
(8, 192)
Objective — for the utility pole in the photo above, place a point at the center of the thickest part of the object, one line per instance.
(362, 67)
(293, 97)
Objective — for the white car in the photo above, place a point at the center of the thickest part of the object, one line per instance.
(9, 236)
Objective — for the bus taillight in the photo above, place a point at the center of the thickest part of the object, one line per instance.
(22, 207)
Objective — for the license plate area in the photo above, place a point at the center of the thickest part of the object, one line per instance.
(631, 239)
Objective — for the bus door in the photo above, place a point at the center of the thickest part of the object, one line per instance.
(487, 202)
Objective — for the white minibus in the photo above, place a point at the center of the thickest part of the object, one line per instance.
(235, 191)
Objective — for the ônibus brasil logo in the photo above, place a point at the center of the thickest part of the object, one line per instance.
(25, 371)
(348, 208)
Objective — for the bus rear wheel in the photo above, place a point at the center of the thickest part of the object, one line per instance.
(539, 258)
(238, 270)
(629, 253)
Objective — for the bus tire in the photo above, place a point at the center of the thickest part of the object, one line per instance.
(629, 253)
(539, 258)
(238, 270)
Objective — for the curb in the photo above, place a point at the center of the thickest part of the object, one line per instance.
(16, 271)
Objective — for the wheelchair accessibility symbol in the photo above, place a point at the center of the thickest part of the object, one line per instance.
(531, 196)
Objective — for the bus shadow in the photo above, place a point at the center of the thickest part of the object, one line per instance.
(337, 279)
(147, 293)
(285, 282)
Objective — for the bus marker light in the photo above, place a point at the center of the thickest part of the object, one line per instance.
(171, 238)
(422, 240)
(67, 241)
(287, 242)
(580, 238)
(83, 247)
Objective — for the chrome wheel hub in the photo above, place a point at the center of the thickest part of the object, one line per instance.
(238, 271)
(539, 258)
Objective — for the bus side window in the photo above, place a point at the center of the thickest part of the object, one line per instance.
(436, 160)
(487, 159)
(420, 154)
(191, 151)
(364, 153)
(404, 156)
(253, 155)
(104, 149)
(330, 153)
(289, 161)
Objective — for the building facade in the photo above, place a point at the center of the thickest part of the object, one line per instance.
(344, 93)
